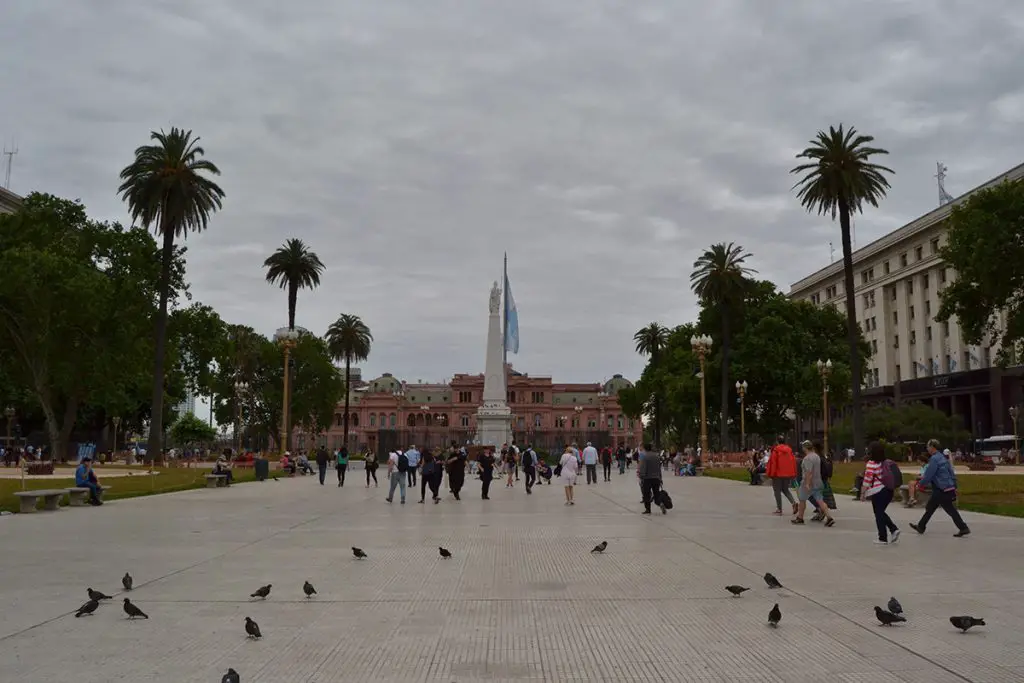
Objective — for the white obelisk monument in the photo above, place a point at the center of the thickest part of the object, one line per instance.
(494, 417)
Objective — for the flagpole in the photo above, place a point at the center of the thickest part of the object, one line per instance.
(504, 323)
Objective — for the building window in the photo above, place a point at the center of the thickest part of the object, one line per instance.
(611, 422)
(410, 421)
(393, 420)
(537, 397)
(945, 329)
(935, 245)
(885, 267)
(592, 423)
(918, 253)
(910, 286)
(575, 423)
(353, 420)
(924, 281)
(948, 364)
(898, 372)
(874, 324)
(986, 357)
(874, 346)
(911, 312)
(903, 260)
(867, 275)
(895, 317)
(337, 420)
(892, 294)
(928, 308)
(896, 341)
(875, 375)
(465, 397)
(913, 370)
(928, 333)
(537, 420)
(373, 420)
(521, 422)
(631, 424)
(464, 420)
(942, 276)
(830, 292)
(619, 421)
(913, 336)
(383, 420)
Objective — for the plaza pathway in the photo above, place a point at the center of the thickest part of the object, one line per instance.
(522, 599)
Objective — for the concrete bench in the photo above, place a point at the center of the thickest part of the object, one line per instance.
(78, 496)
(51, 499)
(699, 471)
(215, 480)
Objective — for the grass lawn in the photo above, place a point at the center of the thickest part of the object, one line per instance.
(994, 494)
(139, 484)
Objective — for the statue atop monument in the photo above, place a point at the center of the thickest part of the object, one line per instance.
(495, 297)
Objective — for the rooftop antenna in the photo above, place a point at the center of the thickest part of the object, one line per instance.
(9, 153)
(944, 197)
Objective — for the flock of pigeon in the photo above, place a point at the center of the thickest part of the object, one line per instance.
(93, 603)
(886, 617)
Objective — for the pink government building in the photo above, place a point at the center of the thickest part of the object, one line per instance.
(387, 413)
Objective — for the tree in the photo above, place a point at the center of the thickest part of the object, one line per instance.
(198, 337)
(348, 339)
(840, 178)
(189, 430)
(909, 422)
(985, 246)
(166, 189)
(721, 279)
(293, 266)
(650, 341)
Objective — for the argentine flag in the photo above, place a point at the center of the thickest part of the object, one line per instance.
(511, 321)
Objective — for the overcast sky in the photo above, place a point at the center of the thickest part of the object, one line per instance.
(602, 143)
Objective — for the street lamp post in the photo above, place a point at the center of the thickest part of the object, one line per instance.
(286, 337)
(240, 390)
(701, 345)
(824, 369)
(741, 389)
(1014, 414)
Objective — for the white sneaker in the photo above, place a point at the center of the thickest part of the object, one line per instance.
(895, 537)
(877, 542)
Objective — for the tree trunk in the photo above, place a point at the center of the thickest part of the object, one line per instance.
(348, 364)
(156, 421)
(723, 427)
(853, 330)
(293, 296)
(657, 402)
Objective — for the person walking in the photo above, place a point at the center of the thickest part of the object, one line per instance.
(486, 473)
(322, 458)
(508, 461)
(342, 465)
(569, 464)
(514, 449)
(812, 487)
(590, 458)
(397, 474)
(434, 479)
(606, 463)
(456, 470)
(941, 478)
(371, 464)
(530, 467)
(781, 470)
(428, 470)
(648, 470)
(413, 457)
(874, 487)
(620, 456)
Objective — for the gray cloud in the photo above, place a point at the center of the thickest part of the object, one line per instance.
(602, 144)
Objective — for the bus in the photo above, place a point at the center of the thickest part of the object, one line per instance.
(995, 448)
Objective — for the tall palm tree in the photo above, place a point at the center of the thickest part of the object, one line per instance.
(650, 341)
(167, 189)
(294, 266)
(839, 178)
(720, 279)
(348, 339)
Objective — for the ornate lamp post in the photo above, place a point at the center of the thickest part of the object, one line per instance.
(824, 369)
(741, 389)
(241, 388)
(286, 337)
(701, 345)
(1014, 414)
(579, 418)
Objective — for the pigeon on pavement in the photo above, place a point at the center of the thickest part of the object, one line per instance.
(132, 611)
(775, 616)
(231, 677)
(87, 608)
(252, 628)
(772, 581)
(600, 547)
(445, 553)
(96, 595)
(887, 618)
(126, 581)
(358, 552)
(308, 589)
(261, 592)
(964, 622)
(894, 606)
(736, 590)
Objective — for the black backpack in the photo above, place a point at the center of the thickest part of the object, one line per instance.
(403, 462)
(826, 468)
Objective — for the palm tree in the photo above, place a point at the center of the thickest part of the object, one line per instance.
(650, 341)
(294, 266)
(720, 279)
(167, 189)
(839, 178)
(348, 339)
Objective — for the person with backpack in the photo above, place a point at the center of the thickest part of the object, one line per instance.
(398, 466)
(342, 465)
(879, 485)
(812, 486)
(530, 467)
(781, 470)
(940, 477)
(428, 475)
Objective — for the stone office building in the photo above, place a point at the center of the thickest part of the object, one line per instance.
(9, 202)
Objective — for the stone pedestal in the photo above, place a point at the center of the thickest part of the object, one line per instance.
(494, 417)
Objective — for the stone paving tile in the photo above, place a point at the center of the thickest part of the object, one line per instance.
(522, 599)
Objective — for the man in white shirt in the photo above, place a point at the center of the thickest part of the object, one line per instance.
(590, 457)
(413, 456)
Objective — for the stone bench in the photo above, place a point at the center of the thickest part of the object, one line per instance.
(51, 499)
(215, 480)
(78, 496)
(699, 471)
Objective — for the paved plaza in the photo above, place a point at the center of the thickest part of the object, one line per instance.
(522, 599)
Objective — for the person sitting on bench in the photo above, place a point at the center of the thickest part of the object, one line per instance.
(222, 467)
(85, 478)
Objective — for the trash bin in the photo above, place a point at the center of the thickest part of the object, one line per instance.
(262, 468)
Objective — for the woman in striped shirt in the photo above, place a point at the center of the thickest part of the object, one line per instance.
(880, 495)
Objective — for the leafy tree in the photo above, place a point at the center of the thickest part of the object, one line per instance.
(986, 248)
(189, 430)
(911, 421)
(198, 337)
(649, 342)
(348, 339)
(720, 279)
(167, 189)
(840, 178)
(293, 266)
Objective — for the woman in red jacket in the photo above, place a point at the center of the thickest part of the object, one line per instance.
(781, 470)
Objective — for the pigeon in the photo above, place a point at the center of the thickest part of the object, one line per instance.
(126, 581)
(772, 581)
(894, 606)
(599, 548)
(96, 595)
(231, 677)
(308, 589)
(736, 590)
(132, 611)
(87, 608)
(964, 623)
(261, 592)
(252, 628)
(358, 552)
(445, 553)
(887, 618)
(775, 616)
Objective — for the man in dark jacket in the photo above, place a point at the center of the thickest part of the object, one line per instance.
(321, 463)
(648, 470)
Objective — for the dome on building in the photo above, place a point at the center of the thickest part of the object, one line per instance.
(616, 384)
(385, 384)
